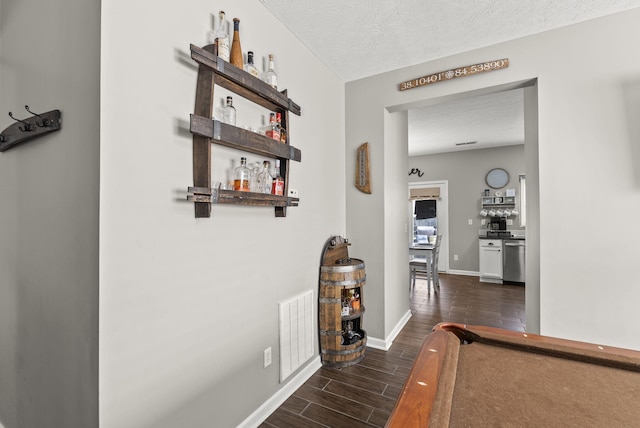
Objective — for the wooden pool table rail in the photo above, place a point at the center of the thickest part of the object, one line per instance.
(428, 388)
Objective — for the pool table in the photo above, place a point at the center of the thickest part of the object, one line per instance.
(468, 376)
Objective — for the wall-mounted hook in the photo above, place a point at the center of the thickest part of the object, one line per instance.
(27, 126)
(44, 122)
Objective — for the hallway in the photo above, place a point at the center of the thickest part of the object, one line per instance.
(363, 395)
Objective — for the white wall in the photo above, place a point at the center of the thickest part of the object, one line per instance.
(187, 305)
(588, 162)
(49, 216)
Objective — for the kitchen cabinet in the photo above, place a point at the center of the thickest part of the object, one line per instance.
(491, 260)
(206, 131)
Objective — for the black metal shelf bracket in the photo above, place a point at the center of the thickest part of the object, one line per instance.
(27, 129)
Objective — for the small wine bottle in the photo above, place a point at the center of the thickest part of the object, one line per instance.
(222, 34)
(281, 130)
(272, 129)
(229, 113)
(270, 77)
(277, 186)
(242, 176)
(236, 49)
(249, 67)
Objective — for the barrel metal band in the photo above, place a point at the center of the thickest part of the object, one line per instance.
(330, 300)
(351, 282)
(345, 352)
(330, 333)
(339, 268)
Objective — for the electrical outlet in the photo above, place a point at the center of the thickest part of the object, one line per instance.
(267, 357)
(509, 222)
(470, 221)
(455, 257)
(483, 222)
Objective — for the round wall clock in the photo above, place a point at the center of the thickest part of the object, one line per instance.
(497, 178)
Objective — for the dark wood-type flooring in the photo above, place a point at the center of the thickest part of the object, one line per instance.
(363, 395)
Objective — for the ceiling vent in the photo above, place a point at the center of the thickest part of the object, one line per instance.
(467, 143)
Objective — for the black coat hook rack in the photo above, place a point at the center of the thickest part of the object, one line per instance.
(27, 129)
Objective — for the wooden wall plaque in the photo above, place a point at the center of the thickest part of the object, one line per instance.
(363, 178)
(442, 76)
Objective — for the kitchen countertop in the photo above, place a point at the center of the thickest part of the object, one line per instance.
(521, 238)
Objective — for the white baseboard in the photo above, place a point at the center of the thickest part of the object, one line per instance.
(385, 344)
(276, 400)
(464, 272)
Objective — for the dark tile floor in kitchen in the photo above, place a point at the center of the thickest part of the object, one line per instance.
(363, 395)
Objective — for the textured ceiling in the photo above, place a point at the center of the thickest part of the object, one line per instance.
(491, 120)
(361, 38)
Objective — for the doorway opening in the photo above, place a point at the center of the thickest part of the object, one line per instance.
(433, 221)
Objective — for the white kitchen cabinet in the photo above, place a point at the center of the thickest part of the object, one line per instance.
(491, 260)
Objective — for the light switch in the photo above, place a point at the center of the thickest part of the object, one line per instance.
(470, 221)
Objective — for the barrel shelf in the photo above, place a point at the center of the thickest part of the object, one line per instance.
(343, 339)
(354, 315)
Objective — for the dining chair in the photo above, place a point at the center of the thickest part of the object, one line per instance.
(418, 264)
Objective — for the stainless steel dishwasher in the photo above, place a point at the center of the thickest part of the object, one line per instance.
(513, 261)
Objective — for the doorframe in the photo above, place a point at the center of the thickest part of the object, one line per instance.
(442, 214)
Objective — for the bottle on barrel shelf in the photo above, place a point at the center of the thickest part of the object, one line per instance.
(264, 178)
(229, 112)
(270, 76)
(221, 37)
(242, 176)
(273, 131)
(249, 67)
(236, 49)
(281, 130)
(277, 186)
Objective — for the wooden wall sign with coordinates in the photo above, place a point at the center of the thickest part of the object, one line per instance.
(442, 76)
(363, 178)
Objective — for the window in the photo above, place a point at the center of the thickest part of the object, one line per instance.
(425, 222)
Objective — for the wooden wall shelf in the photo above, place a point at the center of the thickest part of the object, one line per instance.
(212, 71)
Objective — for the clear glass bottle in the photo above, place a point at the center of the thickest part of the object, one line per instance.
(229, 112)
(277, 186)
(249, 67)
(255, 169)
(273, 131)
(236, 49)
(242, 176)
(264, 178)
(222, 34)
(270, 77)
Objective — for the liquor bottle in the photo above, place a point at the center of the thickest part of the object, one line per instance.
(272, 129)
(264, 178)
(249, 67)
(281, 130)
(236, 49)
(270, 77)
(222, 36)
(277, 187)
(242, 176)
(255, 169)
(229, 113)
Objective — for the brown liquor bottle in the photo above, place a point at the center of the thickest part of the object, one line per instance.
(236, 49)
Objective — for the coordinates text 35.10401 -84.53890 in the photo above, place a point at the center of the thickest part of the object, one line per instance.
(454, 73)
